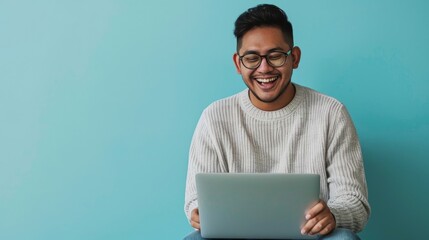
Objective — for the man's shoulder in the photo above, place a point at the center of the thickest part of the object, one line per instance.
(318, 98)
(224, 105)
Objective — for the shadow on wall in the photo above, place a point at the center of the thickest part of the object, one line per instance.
(398, 189)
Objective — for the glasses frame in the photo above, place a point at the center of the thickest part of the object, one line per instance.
(266, 59)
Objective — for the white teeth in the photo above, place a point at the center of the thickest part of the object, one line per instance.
(266, 80)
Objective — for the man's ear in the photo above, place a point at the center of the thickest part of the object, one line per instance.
(236, 60)
(296, 56)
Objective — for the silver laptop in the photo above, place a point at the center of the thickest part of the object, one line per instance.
(255, 205)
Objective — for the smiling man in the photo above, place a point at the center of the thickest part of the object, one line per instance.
(276, 126)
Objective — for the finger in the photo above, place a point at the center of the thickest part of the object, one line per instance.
(196, 225)
(328, 229)
(312, 220)
(309, 225)
(320, 225)
(315, 210)
(322, 218)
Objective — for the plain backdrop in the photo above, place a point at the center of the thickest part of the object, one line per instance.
(99, 101)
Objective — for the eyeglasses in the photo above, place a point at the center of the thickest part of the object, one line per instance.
(274, 59)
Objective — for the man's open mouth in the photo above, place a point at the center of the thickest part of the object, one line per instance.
(266, 81)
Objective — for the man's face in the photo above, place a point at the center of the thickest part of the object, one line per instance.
(268, 85)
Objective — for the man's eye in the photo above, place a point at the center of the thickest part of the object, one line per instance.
(251, 59)
(275, 56)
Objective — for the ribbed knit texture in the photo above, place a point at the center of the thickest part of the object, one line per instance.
(312, 134)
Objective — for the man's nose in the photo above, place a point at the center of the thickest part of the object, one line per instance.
(264, 66)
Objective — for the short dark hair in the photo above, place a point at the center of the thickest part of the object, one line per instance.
(263, 15)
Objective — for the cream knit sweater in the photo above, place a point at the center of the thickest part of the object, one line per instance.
(312, 134)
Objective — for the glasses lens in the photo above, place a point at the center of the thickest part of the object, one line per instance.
(251, 60)
(276, 59)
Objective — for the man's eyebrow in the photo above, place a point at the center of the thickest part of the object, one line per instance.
(275, 49)
(250, 52)
(257, 52)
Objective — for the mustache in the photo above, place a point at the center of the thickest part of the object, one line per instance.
(267, 74)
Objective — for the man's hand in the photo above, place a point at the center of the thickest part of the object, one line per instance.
(195, 219)
(319, 220)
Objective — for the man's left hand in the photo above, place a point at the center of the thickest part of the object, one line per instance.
(319, 220)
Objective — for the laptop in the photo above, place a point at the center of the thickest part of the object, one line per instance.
(255, 205)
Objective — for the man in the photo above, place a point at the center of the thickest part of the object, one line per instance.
(277, 126)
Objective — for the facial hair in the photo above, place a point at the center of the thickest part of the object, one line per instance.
(276, 97)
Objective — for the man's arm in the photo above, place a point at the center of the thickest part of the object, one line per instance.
(347, 204)
(203, 157)
(348, 194)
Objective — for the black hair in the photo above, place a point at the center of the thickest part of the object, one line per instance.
(263, 15)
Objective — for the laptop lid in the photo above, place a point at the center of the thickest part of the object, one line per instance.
(255, 205)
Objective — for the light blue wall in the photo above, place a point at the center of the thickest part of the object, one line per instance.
(99, 99)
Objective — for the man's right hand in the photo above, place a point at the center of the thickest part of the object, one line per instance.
(195, 219)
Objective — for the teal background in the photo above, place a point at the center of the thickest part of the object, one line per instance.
(99, 100)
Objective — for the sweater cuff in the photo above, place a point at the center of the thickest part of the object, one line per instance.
(337, 216)
(191, 206)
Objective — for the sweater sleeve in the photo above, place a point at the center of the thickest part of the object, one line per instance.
(204, 156)
(348, 194)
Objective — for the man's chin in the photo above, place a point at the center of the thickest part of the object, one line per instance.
(265, 99)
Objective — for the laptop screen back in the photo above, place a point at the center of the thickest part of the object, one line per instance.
(255, 205)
